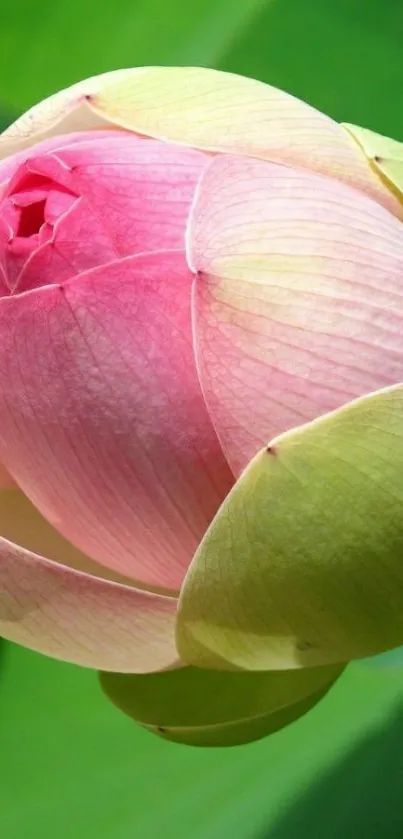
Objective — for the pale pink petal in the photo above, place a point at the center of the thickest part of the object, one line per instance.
(103, 422)
(298, 304)
(71, 615)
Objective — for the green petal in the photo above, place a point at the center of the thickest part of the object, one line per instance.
(303, 564)
(243, 731)
(384, 154)
(213, 708)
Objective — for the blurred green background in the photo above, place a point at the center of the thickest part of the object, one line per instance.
(72, 766)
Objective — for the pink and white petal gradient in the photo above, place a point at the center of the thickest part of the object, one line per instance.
(298, 301)
(73, 616)
(103, 423)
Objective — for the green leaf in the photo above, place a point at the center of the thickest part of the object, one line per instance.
(384, 154)
(212, 708)
(303, 564)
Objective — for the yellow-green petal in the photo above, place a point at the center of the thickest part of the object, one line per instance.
(212, 708)
(303, 564)
(384, 154)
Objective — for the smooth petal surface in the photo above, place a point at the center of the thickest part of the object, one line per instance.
(216, 111)
(298, 302)
(65, 613)
(99, 374)
(22, 524)
(384, 154)
(64, 112)
(206, 707)
(6, 480)
(302, 566)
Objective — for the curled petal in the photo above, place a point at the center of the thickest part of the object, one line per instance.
(298, 303)
(212, 708)
(241, 731)
(71, 615)
(103, 422)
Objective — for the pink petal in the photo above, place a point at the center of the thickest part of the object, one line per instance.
(298, 304)
(4, 285)
(77, 242)
(6, 481)
(134, 196)
(25, 263)
(22, 524)
(74, 616)
(139, 189)
(103, 422)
